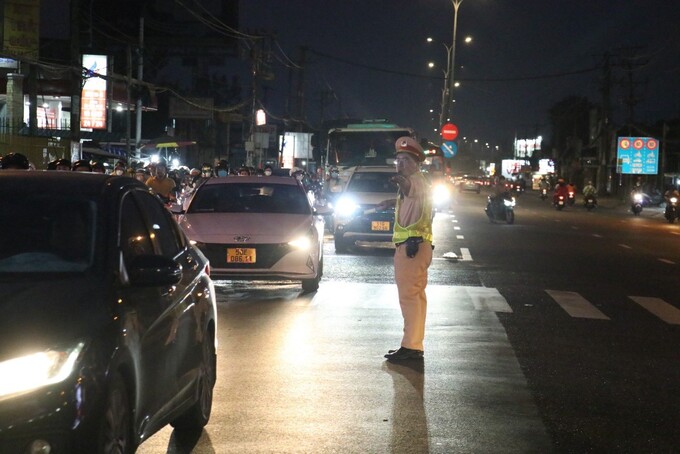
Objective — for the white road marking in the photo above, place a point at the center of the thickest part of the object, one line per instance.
(460, 237)
(490, 299)
(670, 262)
(576, 305)
(574, 227)
(597, 235)
(455, 221)
(465, 254)
(456, 228)
(666, 312)
(625, 246)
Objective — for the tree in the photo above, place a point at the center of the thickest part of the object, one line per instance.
(569, 120)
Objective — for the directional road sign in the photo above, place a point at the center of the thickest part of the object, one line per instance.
(449, 149)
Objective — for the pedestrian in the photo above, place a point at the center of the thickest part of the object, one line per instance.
(412, 236)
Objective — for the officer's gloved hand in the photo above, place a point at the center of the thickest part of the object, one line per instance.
(412, 246)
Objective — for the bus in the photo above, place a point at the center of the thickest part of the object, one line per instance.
(370, 143)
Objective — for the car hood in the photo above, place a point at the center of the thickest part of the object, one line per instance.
(369, 198)
(36, 313)
(223, 227)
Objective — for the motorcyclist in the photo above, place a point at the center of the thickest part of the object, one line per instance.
(498, 192)
(221, 170)
(589, 190)
(561, 189)
(161, 184)
(82, 165)
(671, 192)
(120, 168)
(14, 161)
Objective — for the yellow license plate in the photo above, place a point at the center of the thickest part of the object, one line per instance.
(382, 226)
(241, 255)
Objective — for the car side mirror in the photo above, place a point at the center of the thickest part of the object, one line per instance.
(154, 271)
(323, 210)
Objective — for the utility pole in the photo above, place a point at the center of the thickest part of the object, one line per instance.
(603, 157)
(76, 76)
(140, 74)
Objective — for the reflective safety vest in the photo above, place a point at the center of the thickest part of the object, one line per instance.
(423, 226)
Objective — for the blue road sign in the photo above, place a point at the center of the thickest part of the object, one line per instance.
(638, 155)
(449, 149)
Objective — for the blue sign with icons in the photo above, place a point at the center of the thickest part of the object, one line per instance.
(449, 149)
(638, 155)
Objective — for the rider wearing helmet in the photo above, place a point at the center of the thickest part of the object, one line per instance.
(161, 184)
(14, 161)
(81, 165)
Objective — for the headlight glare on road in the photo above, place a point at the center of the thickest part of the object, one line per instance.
(38, 369)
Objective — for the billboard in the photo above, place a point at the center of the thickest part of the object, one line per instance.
(637, 155)
(512, 167)
(93, 105)
(20, 30)
(525, 148)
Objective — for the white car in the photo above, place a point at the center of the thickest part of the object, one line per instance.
(257, 228)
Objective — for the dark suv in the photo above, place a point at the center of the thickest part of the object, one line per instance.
(355, 218)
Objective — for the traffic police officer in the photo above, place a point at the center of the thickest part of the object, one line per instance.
(413, 239)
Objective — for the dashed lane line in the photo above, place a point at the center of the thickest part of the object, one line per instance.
(670, 262)
(575, 305)
(660, 308)
(625, 246)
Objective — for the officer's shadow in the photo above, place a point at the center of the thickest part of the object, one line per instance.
(409, 421)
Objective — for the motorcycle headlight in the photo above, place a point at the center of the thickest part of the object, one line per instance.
(509, 202)
(440, 193)
(674, 200)
(24, 373)
(346, 207)
(637, 198)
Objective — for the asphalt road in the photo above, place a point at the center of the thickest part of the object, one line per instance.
(558, 333)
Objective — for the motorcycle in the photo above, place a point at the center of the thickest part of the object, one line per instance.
(671, 212)
(559, 202)
(636, 204)
(544, 194)
(571, 198)
(589, 202)
(501, 208)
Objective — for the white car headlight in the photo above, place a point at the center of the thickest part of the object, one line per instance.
(303, 243)
(346, 207)
(440, 193)
(38, 369)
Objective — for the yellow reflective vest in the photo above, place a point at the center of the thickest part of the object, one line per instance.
(423, 226)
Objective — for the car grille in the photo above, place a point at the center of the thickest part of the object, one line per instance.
(266, 255)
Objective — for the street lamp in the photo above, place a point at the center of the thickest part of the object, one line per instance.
(451, 57)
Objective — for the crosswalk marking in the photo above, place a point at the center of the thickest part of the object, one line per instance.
(490, 299)
(576, 305)
(465, 254)
(660, 308)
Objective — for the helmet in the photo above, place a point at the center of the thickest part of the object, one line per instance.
(14, 161)
(162, 162)
(65, 163)
(82, 165)
(98, 166)
(194, 172)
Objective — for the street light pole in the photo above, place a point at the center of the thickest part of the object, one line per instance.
(449, 76)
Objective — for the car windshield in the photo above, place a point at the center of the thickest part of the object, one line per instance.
(372, 182)
(250, 198)
(46, 234)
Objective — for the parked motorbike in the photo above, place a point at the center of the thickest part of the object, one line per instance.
(671, 212)
(636, 203)
(559, 202)
(501, 208)
(589, 202)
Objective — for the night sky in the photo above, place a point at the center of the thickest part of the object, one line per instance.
(525, 56)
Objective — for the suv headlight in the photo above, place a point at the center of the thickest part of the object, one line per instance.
(346, 207)
(24, 373)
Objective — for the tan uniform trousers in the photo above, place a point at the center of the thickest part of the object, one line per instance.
(410, 275)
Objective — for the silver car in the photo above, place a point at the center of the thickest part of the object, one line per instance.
(257, 228)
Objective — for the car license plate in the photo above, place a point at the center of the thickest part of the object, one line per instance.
(381, 226)
(241, 255)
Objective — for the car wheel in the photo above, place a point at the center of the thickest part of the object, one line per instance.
(197, 416)
(115, 433)
(341, 245)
